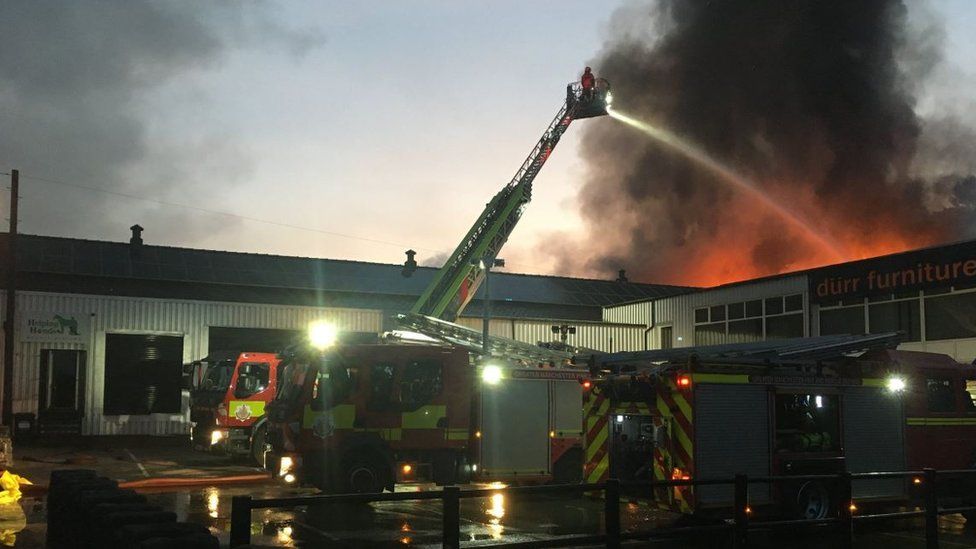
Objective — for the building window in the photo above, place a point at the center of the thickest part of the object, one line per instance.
(848, 320)
(737, 310)
(701, 315)
(143, 374)
(667, 337)
(939, 395)
(754, 308)
(896, 316)
(745, 331)
(774, 305)
(717, 313)
(793, 302)
(784, 326)
(951, 316)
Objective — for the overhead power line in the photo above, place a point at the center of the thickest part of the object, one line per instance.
(217, 212)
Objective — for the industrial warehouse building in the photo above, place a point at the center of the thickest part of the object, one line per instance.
(102, 329)
(929, 295)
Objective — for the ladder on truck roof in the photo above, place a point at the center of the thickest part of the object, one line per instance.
(500, 347)
(459, 278)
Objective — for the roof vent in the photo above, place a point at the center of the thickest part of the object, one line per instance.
(622, 275)
(410, 265)
(135, 241)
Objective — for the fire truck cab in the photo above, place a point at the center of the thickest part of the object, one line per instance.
(228, 403)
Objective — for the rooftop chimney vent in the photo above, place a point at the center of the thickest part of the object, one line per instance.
(622, 275)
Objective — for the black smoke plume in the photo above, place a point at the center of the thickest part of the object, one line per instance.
(814, 100)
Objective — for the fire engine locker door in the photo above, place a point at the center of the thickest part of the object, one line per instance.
(515, 428)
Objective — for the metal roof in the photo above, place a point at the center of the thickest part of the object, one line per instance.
(91, 258)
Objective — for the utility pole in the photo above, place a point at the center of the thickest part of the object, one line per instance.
(11, 309)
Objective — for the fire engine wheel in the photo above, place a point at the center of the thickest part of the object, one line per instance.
(258, 445)
(364, 477)
(813, 501)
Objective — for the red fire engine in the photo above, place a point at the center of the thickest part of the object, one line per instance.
(813, 412)
(361, 418)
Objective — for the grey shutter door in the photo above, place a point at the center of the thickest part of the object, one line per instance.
(874, 439)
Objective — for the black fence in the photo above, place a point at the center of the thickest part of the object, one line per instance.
(737, 528)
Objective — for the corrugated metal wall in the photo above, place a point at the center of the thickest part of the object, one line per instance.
(679, 311)
(191, 319)
(600, 336)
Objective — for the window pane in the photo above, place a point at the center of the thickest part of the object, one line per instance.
(701, 315)
(794, 302)
(896, 316)
(381, 386)
(807, 423)
(939, 393)
(710, 334)
(737, 310)
(252, 378)
(754, 308)
(718, 313)
(774, 305)
(842, 321)
(783, 327)
(970, 403)
(950, 316)
(744, 331)
(421, 382)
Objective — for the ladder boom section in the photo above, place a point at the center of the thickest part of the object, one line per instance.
(457, 281)
(500, 347)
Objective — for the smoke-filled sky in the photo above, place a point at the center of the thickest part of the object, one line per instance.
(396, 122)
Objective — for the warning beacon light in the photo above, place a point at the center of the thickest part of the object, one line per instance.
(491, 374)
(322, 335)
(683, 381)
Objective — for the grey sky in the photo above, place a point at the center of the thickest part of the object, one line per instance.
(395, 121)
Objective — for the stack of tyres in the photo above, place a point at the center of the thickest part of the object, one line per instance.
(87, 511)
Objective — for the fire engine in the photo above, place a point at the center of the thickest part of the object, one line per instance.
(780, 408)
(361, 418)
(227, 402)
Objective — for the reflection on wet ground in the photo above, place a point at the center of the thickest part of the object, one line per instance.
(490, 520)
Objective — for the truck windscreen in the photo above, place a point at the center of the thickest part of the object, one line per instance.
(218, 376)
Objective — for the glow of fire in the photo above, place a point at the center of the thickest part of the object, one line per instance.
(741, 183)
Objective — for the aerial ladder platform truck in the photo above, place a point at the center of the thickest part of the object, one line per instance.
(361, 418)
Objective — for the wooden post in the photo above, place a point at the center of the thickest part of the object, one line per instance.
(741, 512)
(931, 510)
(10, 314)
(240, 521)
(611, 513)
(451, 536)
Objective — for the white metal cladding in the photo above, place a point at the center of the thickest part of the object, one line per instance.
(190, 319)
(594, 335)
(679, 311)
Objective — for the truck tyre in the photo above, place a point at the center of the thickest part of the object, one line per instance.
(364, 475)
(258, 445)
(813, 501)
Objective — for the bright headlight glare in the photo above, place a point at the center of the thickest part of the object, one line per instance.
(216, 436)
(895, 384)
(285, 466)
(322, 335)
(491, 374)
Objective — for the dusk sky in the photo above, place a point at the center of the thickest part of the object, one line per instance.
(391, 121)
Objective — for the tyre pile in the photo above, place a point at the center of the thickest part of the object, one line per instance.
(88, 511)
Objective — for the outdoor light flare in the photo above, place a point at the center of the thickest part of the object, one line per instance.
(702, 158)
(322, 334)
(895, 384)
(491, 374)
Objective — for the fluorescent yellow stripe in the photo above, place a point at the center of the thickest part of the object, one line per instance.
(425, 417)
(874, 382)
(597, 442)
(683, 406)
(720, 378)
(683, 440)
(456, 434)
(255, 406)
(600, 468)
(941, 421)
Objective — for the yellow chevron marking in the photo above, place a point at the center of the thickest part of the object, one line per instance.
(598, 442)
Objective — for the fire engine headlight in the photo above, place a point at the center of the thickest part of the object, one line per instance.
(609, 99)
(491, 374)
(285, 467)
(895, 384)
(216, 436)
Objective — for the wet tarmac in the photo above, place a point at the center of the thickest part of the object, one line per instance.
(496, 519)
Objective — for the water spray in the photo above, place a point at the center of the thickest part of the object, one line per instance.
(740, 182)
